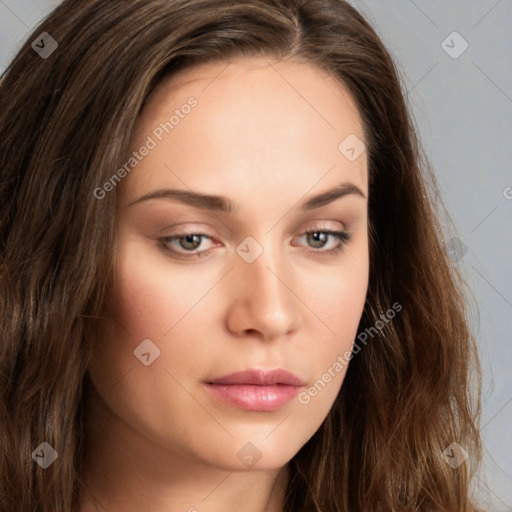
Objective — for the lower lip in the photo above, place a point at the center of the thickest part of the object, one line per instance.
(252, 397)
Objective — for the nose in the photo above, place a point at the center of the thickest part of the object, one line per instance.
(262, 300)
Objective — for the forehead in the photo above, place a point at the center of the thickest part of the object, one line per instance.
(255, 119)
(262, 83)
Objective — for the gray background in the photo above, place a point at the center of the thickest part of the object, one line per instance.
(463, 110)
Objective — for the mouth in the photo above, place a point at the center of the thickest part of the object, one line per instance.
(255, 389)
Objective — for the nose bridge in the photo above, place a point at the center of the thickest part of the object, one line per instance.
(263, 297)
(262, 273)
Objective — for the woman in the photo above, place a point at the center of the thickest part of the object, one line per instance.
(224, 285)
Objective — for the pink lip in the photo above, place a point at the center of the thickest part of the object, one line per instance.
(256, 390)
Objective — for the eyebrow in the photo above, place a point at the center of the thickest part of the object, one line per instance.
(223, 204)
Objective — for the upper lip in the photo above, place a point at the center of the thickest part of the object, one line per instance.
(259, 377)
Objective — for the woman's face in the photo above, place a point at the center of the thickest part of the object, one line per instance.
(208, 287)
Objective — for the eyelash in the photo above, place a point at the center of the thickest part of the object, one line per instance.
(344, 238)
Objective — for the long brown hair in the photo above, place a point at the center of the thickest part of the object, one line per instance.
(65, 125)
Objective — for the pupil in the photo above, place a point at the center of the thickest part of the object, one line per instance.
(189, 239)
(319, 236)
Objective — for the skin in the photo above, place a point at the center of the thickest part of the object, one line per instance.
(264, 134)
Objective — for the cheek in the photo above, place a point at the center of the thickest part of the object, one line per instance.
(339, 295)
(147, 302)
(343, 309)
(343, 302)
(150, 299)
(338, 303)
(339, 306)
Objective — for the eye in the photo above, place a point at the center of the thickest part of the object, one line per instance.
(319, 239)
(183, 243)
